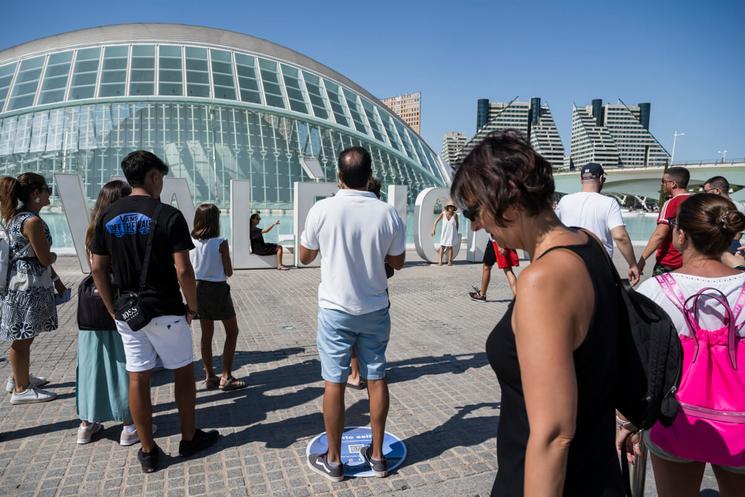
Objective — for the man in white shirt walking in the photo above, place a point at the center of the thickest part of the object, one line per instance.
(356, 234)
(599, 214)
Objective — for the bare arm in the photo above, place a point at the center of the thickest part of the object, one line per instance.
(434, 226)
(185, 274)
(622, 239)
(396, 261)
(660, 232)
(545, 344)
(227, 264)
(270, 228)
(58, 285)
(100, 268)
(306, 255)
(33, 229)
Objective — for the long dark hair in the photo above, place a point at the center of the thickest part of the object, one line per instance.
(13, 191)
(110, 193)
(206, 222)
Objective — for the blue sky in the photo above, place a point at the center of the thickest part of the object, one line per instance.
(687, 58)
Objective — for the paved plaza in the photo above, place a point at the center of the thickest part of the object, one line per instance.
(444, 400)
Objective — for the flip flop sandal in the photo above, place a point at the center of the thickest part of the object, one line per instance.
(362, 385)
(232, 384)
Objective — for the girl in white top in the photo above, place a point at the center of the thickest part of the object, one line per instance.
(212, 265)
(702, 231)
(449, 235)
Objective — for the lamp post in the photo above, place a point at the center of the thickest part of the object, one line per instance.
(675, 139)
(723, 153)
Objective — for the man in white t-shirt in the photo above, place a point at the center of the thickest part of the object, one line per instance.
(356, 234)
(599, 214)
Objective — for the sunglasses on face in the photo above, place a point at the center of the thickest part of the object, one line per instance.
(471, 212)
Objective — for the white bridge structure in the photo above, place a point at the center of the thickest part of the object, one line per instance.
(644, 183)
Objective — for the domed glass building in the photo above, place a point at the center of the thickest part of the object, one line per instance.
(215, 105)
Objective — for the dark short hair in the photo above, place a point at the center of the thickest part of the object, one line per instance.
(137, 164)
(206, 222)
(711, 221)
(719, 182)
(680, 175)
(504, 171)
(355, 167)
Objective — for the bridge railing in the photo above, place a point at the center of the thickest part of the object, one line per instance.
(729, 162)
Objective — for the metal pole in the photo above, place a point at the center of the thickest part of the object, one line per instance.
(675, 139)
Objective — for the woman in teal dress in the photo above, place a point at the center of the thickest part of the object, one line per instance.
(102, 383)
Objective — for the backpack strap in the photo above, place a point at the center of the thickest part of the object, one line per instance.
(739, 305)
(671, 290)
(729, 318)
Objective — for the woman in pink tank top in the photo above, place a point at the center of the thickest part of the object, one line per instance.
(705, 299)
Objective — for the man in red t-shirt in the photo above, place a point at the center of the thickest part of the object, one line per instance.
(675, 184)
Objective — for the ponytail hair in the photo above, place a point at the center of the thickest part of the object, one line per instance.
(8, 197)
(14, 190)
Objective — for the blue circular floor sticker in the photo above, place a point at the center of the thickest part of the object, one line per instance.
(353, 438)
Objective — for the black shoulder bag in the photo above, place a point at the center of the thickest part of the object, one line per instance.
(128, 304)
(92, 312)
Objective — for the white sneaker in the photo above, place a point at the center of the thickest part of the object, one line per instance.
(85, 433)
(34, 381)
(128, 438)
(32, 396)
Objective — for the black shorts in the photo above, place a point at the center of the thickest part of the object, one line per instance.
(267, 249)
(213, 300)
(490, 258)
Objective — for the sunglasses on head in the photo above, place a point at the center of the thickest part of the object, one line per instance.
(471, 212)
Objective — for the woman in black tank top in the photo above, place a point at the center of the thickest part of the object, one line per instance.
(554, 351)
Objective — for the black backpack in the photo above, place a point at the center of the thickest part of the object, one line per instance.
(650, 361)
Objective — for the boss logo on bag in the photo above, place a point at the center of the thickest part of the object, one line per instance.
(131, 313)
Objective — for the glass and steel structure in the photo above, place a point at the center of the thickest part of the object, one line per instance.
(215, 105)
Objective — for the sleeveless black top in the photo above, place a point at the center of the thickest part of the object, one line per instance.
(593, 469)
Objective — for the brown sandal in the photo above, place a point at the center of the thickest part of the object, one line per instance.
(232, 384)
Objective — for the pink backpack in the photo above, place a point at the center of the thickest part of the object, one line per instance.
(710, 427)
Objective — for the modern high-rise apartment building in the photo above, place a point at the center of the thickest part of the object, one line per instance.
(452, 143)
(407, 107)
(615, 135)
(531, 118)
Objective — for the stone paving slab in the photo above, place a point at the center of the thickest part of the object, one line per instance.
(444, 400)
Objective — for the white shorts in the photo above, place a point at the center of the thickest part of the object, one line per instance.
(167, 337)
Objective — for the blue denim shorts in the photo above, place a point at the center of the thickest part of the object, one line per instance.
(339, 332)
